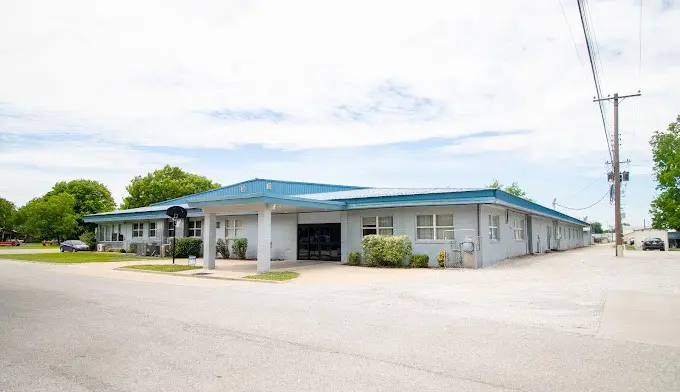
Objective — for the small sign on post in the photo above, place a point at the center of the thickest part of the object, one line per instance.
(192, 260)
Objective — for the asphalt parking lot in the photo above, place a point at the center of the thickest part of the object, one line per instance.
(577, 320)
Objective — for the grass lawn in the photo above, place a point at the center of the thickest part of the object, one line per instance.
(33, 245)
(285, 275)
(163, 267)
(630, 247)
(71, 258)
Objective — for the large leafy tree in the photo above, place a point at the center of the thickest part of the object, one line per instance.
(7, 211)
(49, 217)
(167, 183)
(597, 227)
(665, 209)
(91, 196)
(513, 189)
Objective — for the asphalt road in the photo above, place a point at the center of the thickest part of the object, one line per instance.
(61, 331)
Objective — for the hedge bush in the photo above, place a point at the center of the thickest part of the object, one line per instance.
(121, 250)
(239, 247)
(222, 248)
(90, 239)
(185, 247)
(132, 248)
(384, 251)
(354, 258)
(419, 261)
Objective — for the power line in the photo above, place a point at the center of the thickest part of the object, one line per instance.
(585, 208)
(587, 186)
(564, 14)
(593, 67)
(640, 47)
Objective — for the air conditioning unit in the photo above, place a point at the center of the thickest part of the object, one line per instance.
(101, 247)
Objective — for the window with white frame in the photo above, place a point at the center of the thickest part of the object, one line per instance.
(381, 225)
(137, 230)
(195, 228)
(518, 228)
(152, 229)
(233, 228)
(494, 227)
(217, 224)
(117, 233)
(171, 228)
(434, 227)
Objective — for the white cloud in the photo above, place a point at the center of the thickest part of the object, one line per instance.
(145, 73)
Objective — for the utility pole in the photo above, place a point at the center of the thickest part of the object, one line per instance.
(617, 172)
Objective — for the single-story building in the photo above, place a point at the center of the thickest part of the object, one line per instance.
(311, 221)
(637, 235)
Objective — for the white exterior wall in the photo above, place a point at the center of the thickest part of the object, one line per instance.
(284, 236)
(465, 220)
(404, 221)
(506, 246)
(539, 228)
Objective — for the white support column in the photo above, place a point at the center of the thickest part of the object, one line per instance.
(264, 240)
(209, 250)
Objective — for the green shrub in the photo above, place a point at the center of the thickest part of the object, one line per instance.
(90, 239)
(239, 247)
(185, 247)
(371, 246)
(110, 250)
(121, 250)
(441, 259)
(222, 248)
(354, 258)
(132, 248)
(419, 261)
(383, 251)
(397, 249)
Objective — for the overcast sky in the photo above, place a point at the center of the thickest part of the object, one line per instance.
(377, 93)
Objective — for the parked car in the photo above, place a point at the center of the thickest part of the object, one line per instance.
(73, 246)
(653, 243)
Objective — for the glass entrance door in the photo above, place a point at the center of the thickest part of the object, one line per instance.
(319, 242)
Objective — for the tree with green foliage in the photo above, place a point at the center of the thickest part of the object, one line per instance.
(7, 211)
(597, 228)
(91, 196)
(665, 209)
(49, 218)
(163, 184)
(513, 189)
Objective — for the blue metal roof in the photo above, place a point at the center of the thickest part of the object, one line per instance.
(271, 199)
(259, 186)
(331, 197)
(143, 213)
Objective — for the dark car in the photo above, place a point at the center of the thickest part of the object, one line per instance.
(73, 246)
(653, 243)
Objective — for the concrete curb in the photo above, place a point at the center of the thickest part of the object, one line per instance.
(202, 276)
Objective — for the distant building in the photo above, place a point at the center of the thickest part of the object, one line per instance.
(674, 239)
(639, 234)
